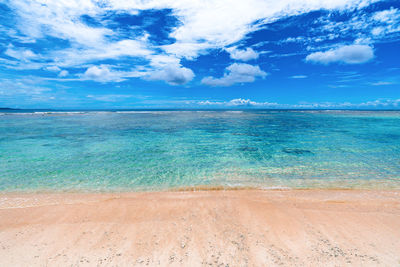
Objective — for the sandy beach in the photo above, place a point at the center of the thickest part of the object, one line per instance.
(213, 228)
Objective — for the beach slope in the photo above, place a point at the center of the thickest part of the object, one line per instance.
(214, 228)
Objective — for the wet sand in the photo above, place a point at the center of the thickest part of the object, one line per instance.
(213, 228)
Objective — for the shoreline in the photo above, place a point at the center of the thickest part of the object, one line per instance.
(310, 227)
(367, 185)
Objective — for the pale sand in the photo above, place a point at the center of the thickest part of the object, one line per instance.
(218, 228)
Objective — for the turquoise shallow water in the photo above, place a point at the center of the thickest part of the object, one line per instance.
(159, 150)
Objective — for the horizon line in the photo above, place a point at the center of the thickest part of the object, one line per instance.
(197, 109)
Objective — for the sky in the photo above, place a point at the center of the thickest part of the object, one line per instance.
(82, 54)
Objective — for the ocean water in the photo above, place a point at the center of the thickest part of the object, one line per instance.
(162, 150)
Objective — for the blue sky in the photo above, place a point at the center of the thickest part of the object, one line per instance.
(200, 54)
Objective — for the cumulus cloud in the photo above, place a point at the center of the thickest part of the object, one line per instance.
(379, 103)
(349, 54)
(236, 73)
(61, 73)
(101, 74)
(244, 55)
(238, 102)
(174, 75)
(242, 102)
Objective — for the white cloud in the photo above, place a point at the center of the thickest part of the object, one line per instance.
(388, 16)
(241, 102)
(389, 22)
(26, 87)
(244, 55)
(216, 24)
(221, 23)
(298, 39)
(298, 76)
(236, 73)
(382, 83)
(63, 73)
(378, 30)
(74, 57)
(210, 103)
(174, 75)
(380, 103)
(238, 102)
(380, 26)
(161, 61)
(22, 54)
(102, 74)
(363, 41)
(109, 98)
(53, 68)
(59, 19)
(189, 50)
(349, 54)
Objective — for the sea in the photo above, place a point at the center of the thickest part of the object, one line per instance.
(161, 150)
